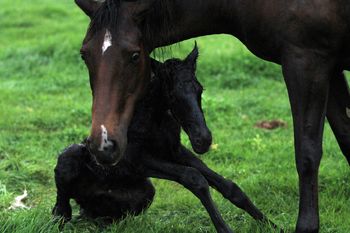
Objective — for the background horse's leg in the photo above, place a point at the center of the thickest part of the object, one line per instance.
(227, 188)
(191, 179)
(307, 75)
(338, 112)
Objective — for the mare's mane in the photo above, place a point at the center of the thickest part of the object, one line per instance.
(158, 16)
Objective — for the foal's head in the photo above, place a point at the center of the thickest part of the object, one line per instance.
(184, 94)
(118, 64)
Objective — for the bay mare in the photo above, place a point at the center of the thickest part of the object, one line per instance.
(307, 38)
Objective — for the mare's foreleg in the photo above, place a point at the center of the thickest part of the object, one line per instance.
(307, 76)
(191, 179)
(338, 112)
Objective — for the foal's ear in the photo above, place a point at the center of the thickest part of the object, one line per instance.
(89, 6)
(191, 59)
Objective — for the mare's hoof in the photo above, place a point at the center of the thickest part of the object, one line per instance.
(224, 230)
(307, 224)
(306, 230)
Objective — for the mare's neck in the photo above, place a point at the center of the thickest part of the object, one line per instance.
(190, 19)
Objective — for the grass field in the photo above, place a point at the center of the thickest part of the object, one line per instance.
(45, 104)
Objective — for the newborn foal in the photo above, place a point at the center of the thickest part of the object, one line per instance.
(154, 150)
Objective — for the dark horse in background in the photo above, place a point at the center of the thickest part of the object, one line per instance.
(307, 38)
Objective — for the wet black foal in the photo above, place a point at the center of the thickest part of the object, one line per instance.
(154, 150)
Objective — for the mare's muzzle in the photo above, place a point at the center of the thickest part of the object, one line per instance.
(107, 155)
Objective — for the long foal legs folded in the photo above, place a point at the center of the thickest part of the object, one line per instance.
(227, 188)
(191, 179)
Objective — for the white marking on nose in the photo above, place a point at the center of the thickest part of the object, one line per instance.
(107, 42)
(104, 139)
(347, 112)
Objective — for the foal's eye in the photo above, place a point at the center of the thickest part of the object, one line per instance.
(82, 55)
(135, 57)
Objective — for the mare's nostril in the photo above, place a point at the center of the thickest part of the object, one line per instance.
(111, 147)
(106, 152)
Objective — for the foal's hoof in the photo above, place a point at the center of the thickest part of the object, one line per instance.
(275, 226)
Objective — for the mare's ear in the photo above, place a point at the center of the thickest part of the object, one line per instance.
(89, 6)
(191, 59)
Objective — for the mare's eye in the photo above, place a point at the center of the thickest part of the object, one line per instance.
(135, 57)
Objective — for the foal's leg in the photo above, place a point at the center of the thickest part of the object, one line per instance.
(307, 77)
(227, 188)
(191, 179)
(66, 171)
(62, 208)
(338, 112)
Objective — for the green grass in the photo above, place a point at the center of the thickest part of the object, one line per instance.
(45, 104)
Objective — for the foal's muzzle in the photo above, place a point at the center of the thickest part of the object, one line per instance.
(201, 141)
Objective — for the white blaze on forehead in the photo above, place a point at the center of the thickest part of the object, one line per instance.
(107, 42)
(104, 139)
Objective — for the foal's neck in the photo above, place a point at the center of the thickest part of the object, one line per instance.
(196, 18)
